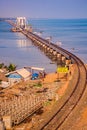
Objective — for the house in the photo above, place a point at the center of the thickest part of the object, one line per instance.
(18, 75)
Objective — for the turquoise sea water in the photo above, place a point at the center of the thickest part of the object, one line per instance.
(16, 48)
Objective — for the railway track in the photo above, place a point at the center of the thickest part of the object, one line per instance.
(62, 112)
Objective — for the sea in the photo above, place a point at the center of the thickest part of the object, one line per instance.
(18, 49)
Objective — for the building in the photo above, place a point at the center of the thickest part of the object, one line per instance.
(21, 22)
(18, 75)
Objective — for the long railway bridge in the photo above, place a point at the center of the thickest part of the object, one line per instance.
(68, 103)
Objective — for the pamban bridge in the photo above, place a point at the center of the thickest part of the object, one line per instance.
(13, 112)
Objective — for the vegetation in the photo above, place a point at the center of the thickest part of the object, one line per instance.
(12, 67)
(38, 85)
(47, 103)
(1, 65)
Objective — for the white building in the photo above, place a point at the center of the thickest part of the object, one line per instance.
(21, 22)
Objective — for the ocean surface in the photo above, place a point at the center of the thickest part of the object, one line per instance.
(16, 48)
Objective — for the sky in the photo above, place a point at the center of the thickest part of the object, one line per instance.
(44, 8)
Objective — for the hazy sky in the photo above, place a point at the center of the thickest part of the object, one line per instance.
(44, 8)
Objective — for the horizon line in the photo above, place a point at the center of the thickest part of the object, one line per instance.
(44, 17)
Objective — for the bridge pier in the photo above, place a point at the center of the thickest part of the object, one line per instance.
(59, 56)
(51, 50)
(63, 59)
(55, 53)
(68, 62)
(48, 48)
(52, 54)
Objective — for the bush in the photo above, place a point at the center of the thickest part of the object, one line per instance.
(12, 67)
(1, 65)
(39, 84)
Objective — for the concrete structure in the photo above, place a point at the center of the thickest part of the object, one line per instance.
(18, 108)
(36, 70)
(63, 59)
(7, 121)
(21, 22)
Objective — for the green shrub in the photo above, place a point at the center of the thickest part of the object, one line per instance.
(12, 67)
(1, 65)
(39, 84)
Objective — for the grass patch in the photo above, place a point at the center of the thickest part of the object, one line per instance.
(38, 85)
(47, 103)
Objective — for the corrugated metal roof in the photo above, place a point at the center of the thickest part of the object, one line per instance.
(34, 68)
(15, 75)
(23, 72)
(37, 68)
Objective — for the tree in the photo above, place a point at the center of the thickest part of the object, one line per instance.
(12, 67)
(1, 65)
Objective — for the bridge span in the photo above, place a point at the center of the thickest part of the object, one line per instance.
(68, 103)
(57, 53)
